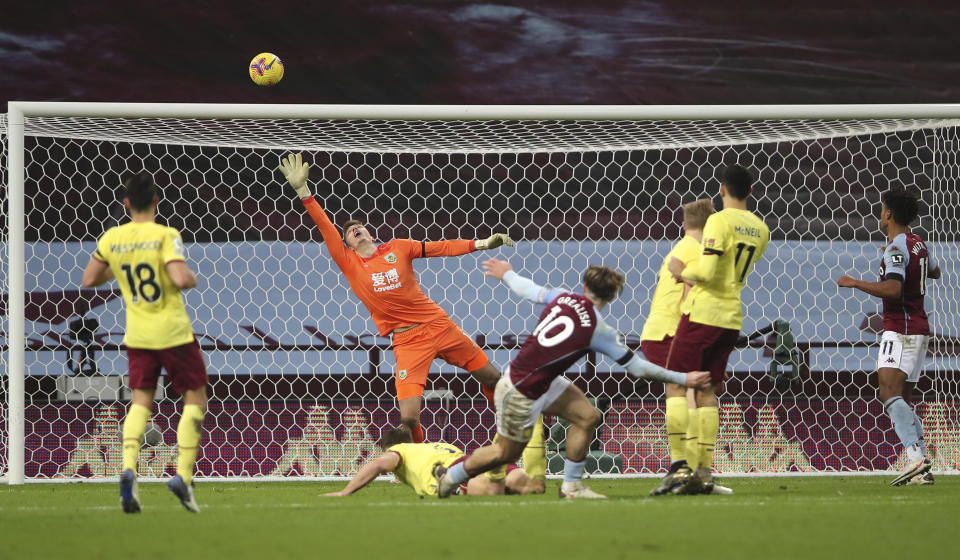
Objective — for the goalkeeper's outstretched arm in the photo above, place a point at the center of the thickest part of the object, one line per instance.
(381, 465)
(523, 287)
(296, 172)
(456, 247)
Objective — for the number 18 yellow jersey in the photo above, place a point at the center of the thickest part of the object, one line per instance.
(138, 253)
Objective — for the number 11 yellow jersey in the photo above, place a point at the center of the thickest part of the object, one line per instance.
(733, 241)
(138, 253)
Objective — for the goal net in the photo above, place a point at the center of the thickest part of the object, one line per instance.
(301, 385)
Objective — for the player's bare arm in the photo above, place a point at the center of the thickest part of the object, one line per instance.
(676, 266)
(889, 288)
(296, 171)
(181, 275)
(96, 274)
(496, 268)
(697, 379)
(383, 464)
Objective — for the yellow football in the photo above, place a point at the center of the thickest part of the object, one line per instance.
(266, 69)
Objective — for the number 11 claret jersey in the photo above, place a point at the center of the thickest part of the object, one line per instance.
(138, 253)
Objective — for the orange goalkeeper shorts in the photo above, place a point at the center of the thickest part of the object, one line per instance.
(416, 349)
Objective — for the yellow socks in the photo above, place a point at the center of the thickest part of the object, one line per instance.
(677, 420)
(692, 440)
(133, 428)
(497, 474)
(535, 454)
(709, 426)
(188, 440)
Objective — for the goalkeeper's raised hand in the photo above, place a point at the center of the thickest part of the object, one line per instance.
(493, 242)
(295, 171)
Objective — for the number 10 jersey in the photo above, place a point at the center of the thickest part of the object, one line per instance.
(138, 253)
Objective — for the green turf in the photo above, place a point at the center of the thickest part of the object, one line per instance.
(768, 518)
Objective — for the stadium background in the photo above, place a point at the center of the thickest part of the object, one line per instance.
(458, 52)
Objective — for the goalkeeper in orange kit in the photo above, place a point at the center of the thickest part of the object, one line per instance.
(382, 276)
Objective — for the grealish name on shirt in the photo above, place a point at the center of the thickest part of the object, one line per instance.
(581, 312)
(122, 248)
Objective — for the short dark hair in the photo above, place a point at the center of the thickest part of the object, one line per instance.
(605, 282)
(393, 437)
(904, 205)
(140, 190)
(738, 180)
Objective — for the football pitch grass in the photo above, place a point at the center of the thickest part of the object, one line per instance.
(767, 518)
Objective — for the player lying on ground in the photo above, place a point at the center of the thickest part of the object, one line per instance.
(152, 271)
(734, 239)
(904, 269)
(656, 341)
(414, 464)
(382, 277)
(570, 326)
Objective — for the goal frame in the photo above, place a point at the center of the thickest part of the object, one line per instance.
(18, 111)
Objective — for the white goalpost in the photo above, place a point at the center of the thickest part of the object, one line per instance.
(301, 385)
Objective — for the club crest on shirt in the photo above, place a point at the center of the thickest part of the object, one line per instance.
(390, 258)
(709, 242)
(402, 374)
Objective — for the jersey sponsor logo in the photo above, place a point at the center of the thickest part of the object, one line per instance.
(390, 258)
(385, 281)
(178, 248)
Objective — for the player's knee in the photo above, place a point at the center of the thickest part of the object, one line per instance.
(595, 418)
(508, 455)
(589, 421)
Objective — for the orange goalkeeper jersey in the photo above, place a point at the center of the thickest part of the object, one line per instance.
(385, 282)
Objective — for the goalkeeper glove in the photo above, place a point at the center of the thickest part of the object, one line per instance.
(493, 242)
(295, 171)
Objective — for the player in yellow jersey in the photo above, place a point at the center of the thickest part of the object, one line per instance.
(657, 339)
(148, 262)
(414, 464)
(734, 239)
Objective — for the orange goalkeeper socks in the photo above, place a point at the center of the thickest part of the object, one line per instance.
(488, 393)
(418, 434)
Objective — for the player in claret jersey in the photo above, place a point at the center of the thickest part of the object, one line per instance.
(382, 277)
(148, 261)
(904, 269)
(570, 326)
(734, 239)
